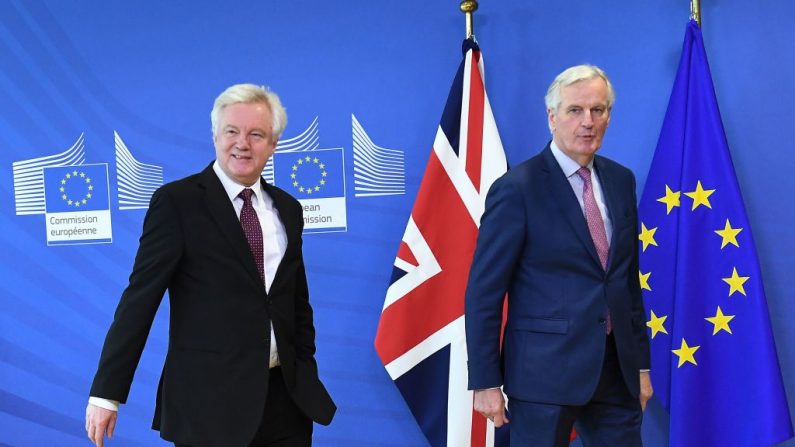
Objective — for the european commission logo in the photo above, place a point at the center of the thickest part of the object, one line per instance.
(77, 204)
(75, 197)
(317, 179)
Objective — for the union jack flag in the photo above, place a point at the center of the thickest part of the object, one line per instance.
(420, 336)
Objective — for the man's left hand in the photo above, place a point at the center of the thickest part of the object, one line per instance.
(646, 390)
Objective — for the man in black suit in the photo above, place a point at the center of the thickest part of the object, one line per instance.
(559, 236)
(240, 368)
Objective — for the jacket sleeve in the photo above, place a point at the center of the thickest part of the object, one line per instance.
(500, 244)
(159, 252)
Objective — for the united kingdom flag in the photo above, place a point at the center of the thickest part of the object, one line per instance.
(420, 336)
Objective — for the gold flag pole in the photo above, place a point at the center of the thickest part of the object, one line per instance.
(695, 11)
(468, 7)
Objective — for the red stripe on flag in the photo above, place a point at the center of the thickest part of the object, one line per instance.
(475, 124)
(478, 438)
(405, 254)
(447, 227)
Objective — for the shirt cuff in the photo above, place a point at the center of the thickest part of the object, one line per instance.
(645, 370)
(112, 405)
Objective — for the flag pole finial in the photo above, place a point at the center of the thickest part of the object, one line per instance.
(468, 7)
(695, 11)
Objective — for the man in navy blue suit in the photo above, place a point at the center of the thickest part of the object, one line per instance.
(559, 237)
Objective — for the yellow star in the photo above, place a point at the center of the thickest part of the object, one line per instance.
(685, 353)
(322, 182)
(700, 196)
(317, 188)
(736, 282)
(63, 181)
(63, 196)
(90, 187)
(88, 196)
(321, 166)
(77, 204)
(84, 201)
(670, 199)
(315, 160)
(74, 173)
(657, 324)
(292, 175)
(68, 202)
(68, 175)
(300, 161)
(301, 189)
(88, 180)
(720, 322)
(729, 235)
(647, 236)
(644, 280)
(62, 189)
(309, 190)
(82, 174)
(295, 183)
(295, 168)
(308, 158)
(323, 173)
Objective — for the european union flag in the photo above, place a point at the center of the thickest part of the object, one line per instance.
(76, 188)
(310, 174)
(714, 362)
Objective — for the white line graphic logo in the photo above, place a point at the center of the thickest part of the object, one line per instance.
(377, 171)
(136, 181)
(29, 176)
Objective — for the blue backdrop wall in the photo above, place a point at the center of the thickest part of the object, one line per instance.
(131, 84)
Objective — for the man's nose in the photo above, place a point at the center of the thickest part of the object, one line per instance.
(242, 141)
(587, 119)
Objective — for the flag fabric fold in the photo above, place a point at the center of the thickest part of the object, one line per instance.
(420, 337)
(714, 362)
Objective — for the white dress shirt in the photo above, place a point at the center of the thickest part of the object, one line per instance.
(274, 241)
(570, 168)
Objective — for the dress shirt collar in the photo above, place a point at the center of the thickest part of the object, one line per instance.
(568, 165)
(234, 188)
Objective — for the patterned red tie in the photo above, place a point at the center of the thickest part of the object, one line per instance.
(253, 230)
(595, 225)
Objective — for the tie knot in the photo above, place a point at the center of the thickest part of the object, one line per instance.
(246, 195)
(585, 174)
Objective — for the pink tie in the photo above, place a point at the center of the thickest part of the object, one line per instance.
(253, 230)
(595, 225)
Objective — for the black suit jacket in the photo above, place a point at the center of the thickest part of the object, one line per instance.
(215, 379)
(534, 245)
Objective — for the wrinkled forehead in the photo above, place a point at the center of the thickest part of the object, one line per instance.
(585, 92)
(245, 113)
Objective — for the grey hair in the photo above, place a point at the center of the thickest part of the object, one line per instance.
(574, 74)
(250, 93)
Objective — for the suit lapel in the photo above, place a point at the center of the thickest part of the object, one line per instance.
(291, 223)
(610, 192)
(223, 213)
(563, 197)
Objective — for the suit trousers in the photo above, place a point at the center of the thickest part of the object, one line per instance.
(612, 417)
(283, 424)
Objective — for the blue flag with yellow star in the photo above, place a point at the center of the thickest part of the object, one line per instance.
(76, 188)
(714, 361)
(310, 174)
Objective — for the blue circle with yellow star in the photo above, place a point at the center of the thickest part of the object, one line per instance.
(308, 175)
(76, 188)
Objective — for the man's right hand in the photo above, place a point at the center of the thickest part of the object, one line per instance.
(491, 404)
(100, 422)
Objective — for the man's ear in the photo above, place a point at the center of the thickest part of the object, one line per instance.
(551, 119)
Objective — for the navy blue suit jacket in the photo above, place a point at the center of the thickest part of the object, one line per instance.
(534, 245)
